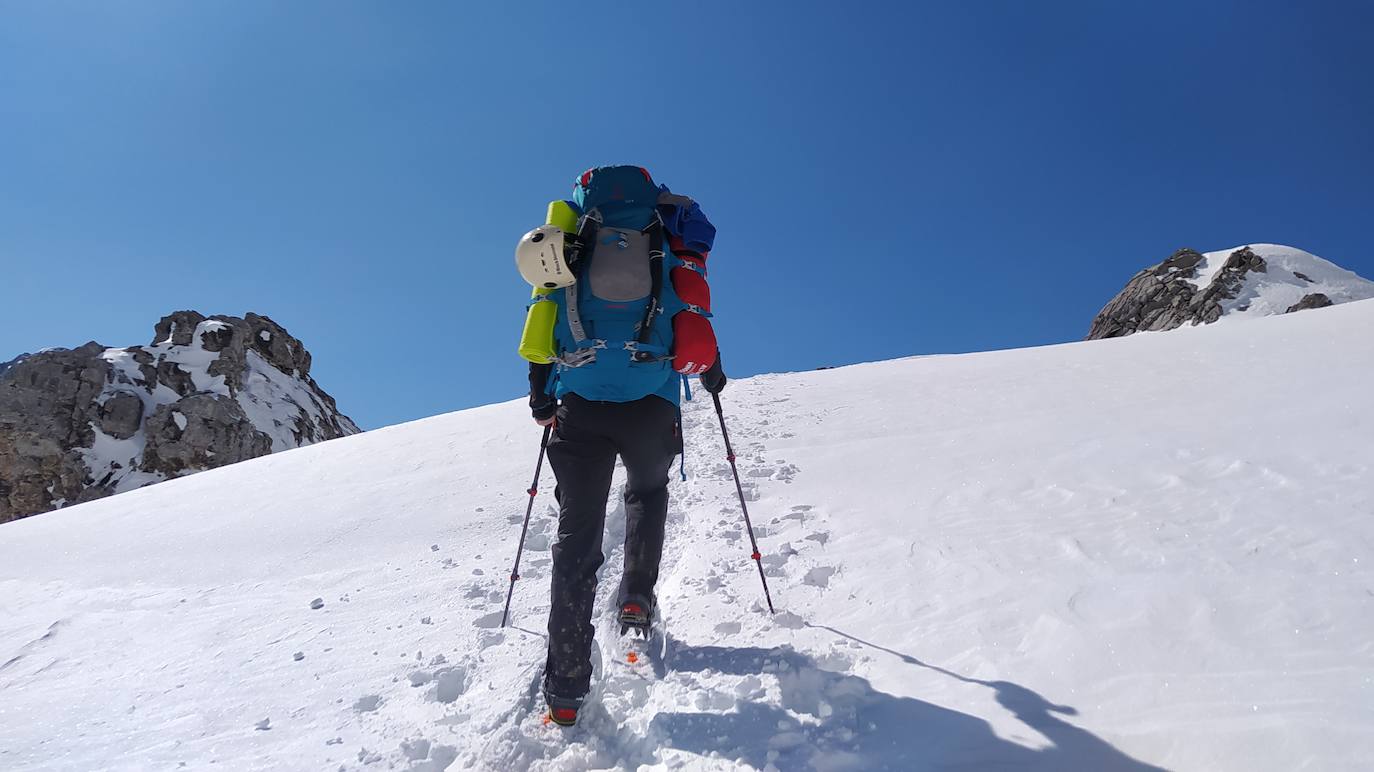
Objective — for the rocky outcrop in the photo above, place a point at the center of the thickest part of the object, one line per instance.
(83, 423)
(1164, 296)
(1314, 300)
(48, 403)
(1192, 287)
(202, 431)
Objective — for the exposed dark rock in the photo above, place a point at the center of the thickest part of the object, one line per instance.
(1314, 300)
(121, 415)
(5, 366)
(176, 328)
(1162, 297)
(284, 352)
(202, 431)
(173, 376)
(47, 405)
(69, 417)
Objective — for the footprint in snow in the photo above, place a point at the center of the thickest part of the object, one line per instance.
(449, 684)
(784, 472)
(773, 563)
(368, 703)
(819, 576)
(728, 628)
(489, 638)
(425, 755)
(415, 750)
(488, 621)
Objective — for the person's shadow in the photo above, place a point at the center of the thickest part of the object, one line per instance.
(849, 725)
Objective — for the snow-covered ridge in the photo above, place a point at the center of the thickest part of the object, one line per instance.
(1290, 275)
(207, 392)
(1076, 557)
(1192, 288)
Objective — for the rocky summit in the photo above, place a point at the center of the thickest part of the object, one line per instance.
(1191, 288)
(84, 423)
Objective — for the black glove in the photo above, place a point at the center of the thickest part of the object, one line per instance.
(542, 404)
(544, 411)
(713, 380)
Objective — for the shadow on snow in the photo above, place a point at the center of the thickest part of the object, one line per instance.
(850, 725)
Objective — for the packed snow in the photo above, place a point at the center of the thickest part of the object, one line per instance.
(1129, 554)
(1290, 274)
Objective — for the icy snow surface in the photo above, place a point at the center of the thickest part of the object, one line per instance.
(1278, 288)
(1152, 551)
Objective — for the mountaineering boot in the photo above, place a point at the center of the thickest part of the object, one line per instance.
(562, 710)
(563, 716)
(637, 613)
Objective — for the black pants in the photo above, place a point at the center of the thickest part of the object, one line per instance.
(582, 452)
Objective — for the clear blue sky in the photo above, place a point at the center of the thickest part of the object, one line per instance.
(887, 179)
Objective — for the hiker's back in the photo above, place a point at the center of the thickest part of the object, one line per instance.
(630, 306)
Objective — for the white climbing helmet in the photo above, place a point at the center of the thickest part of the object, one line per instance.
(540, 258)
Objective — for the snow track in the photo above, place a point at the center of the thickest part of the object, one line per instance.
(1153, 552)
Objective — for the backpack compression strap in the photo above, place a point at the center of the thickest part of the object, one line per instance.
(655, 306)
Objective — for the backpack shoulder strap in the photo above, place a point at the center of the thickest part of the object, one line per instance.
(586, 236)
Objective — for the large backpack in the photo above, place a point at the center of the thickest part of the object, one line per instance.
(639, 309)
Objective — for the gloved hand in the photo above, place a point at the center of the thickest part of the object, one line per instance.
(713, 380)
(545, 412)
(543, 406)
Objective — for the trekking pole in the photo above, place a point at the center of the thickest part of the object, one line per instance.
(739, 488)
(534, 489)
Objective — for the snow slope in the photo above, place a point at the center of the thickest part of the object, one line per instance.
(1145, 552)
(1290, 274)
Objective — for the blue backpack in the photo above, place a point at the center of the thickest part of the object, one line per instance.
(614, 331)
